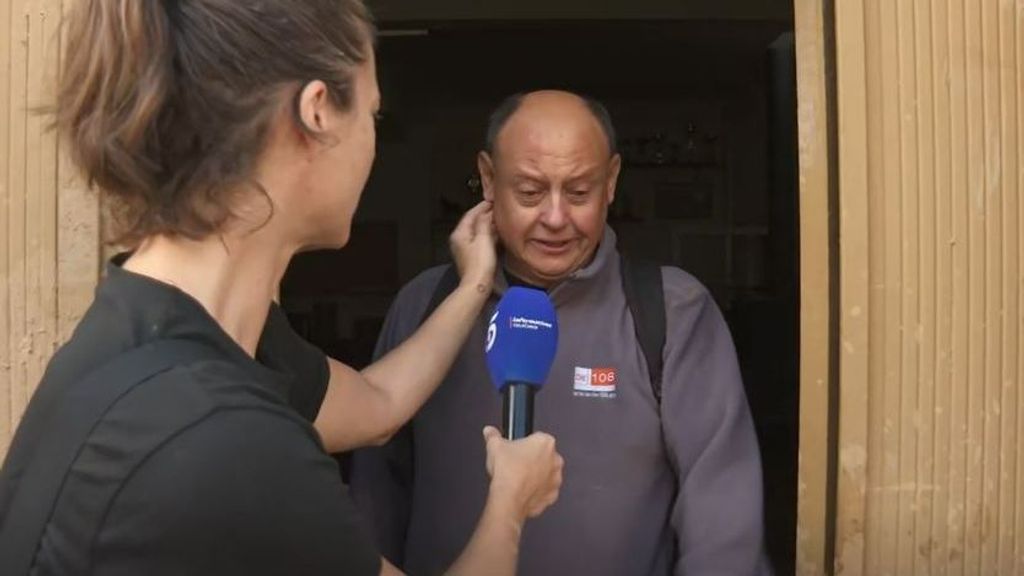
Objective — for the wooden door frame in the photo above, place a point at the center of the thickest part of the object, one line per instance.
(819, 288)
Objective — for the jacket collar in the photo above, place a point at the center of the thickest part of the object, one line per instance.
(603, 267)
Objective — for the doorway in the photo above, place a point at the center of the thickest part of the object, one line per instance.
(705, 114)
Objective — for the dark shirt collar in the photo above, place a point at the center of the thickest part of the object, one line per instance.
(153, 310)
(514, 280)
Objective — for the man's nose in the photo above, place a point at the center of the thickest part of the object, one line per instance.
(554, 214)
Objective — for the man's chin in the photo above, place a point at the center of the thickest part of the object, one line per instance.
(550, 274)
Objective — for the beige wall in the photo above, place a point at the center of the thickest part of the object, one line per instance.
(48, 225)
(813, 552)
(931, 457)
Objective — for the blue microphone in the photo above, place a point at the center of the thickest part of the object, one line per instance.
(522, 338)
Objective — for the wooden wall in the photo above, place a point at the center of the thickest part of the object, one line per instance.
(931, 457)
(49, 257)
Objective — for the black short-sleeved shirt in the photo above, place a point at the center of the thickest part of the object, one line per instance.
(245, 488)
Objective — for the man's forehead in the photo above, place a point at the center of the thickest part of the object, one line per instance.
(541, 149)
(540, 172)
(556, 123)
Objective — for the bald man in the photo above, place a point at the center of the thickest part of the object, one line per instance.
(652, 486)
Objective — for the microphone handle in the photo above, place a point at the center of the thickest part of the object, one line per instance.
(517, 410)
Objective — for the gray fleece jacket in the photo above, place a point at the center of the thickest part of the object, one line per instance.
(657, 489)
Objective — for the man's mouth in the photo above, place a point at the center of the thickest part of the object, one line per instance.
(552, 246)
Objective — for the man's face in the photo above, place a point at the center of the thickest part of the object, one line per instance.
(551, 181)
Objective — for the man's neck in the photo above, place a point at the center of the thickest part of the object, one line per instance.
(514, 280)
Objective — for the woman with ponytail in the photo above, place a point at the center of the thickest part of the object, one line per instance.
(184, 428)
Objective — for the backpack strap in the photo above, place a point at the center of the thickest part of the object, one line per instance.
(399, 452)
(446, 285)
(645, 296)
(74, 414)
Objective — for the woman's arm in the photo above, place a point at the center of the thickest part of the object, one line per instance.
(368, 407)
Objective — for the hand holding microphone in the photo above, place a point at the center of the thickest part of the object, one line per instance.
(522, 338)
(527, 471)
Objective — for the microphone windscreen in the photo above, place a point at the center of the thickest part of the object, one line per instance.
(522, 338)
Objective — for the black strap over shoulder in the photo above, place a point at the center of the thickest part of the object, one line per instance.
(446, 285)
(645, 296)
(71, 417)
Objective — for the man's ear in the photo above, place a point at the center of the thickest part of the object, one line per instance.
(485, 166)
(614, 166)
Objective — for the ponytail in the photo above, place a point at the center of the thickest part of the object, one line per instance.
(117, 80)
(165, 104)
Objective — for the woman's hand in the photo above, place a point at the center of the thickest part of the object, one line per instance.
(472, 246)
(526, 474)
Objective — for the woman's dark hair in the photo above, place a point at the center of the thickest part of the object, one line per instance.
(165, 104)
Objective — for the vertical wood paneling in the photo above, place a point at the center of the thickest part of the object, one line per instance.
(1010, 306)
(886, 219)
(924, 334)
(50, 43)
(812, 546)
(877, 460)
(874, 220)
(851, 529)
(960, 241)
(17, 210)
(976, 221)
(993, 288)
(1018, 522)
(41, 191)
(6, 328)
(48, 223)
(907, 316)
(942, 241)
(944, 245)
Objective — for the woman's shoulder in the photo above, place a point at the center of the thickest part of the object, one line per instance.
(253, 436)
(202, 394)
(241, 487)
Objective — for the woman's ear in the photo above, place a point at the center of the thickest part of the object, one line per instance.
(313, 103)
